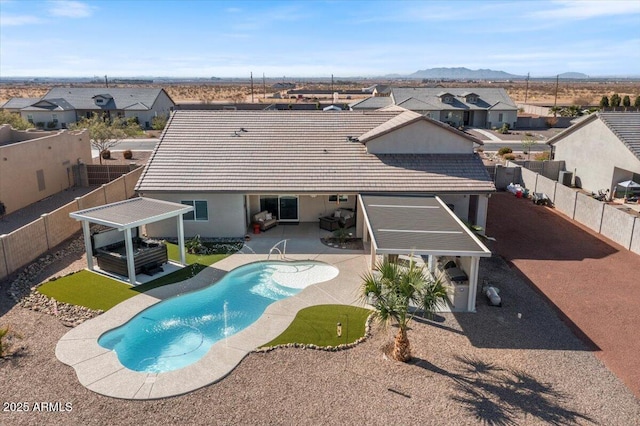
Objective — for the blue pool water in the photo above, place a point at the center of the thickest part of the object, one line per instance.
(179, 331)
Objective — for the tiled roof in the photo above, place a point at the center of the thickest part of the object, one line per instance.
(374, 102)
(296, 152)
(487, 96)
(19, 103)
(52, 104)
(626, 126)
(123, 98)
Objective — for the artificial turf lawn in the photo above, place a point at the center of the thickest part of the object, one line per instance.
(202, 259)
(317, 325)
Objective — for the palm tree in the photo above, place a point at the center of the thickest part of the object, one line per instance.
(391, 288)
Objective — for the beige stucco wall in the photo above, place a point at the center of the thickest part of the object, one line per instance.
(592, 152)
(226, 217)
(54, 154)
(421, 137)
(310, 208)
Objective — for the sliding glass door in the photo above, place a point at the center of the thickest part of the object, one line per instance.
(283, 207)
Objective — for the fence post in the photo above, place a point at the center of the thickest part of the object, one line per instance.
(79, 202)
(45, 220)
(104, 192)
(4, 255)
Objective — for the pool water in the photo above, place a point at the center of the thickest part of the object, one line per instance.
(179, 331)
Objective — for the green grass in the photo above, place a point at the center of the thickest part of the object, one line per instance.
(317, 325)
(202, 259)
(88, 289)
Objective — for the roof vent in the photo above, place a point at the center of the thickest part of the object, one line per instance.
(353, 139)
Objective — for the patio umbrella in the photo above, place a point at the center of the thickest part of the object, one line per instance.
(628, 184)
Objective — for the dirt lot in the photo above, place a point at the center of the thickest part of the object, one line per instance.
(589, 279)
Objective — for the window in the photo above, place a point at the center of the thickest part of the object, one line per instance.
(201, 211)
(54, 118)
(500, 117)
(30, 118)
(338, 198)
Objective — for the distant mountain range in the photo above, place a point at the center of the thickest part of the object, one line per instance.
(462, 73)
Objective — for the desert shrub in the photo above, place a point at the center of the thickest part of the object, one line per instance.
(504, 129)
(626, 101)
(8, 339)
(128, 155)
(604, 102)
(505, 150)
(51, 125)
(40, 124)
(637, 102)
(14, 120)
(158, 123)
(510, 157)
(542, 156)
(106, 154)
(615, 100)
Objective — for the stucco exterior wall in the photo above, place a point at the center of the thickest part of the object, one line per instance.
(310, 208)
(593, 152)
(460, 205)
(52, 156)
(508, 116)
(226, 216)
(420, 138)
(64, 117)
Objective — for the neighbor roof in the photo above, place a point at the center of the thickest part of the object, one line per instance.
(140, 98)
(19, 103)
(374, 102)
(487, 97)
(298, 152)
(625, 125)
(418, 225)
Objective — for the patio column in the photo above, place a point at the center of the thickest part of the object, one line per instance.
(87, 244)
(183, 260)
(131, 267)
(473, 283)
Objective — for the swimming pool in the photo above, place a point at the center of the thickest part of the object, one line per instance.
(179, 331)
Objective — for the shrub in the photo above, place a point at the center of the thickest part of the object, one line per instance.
(159, 122)
(504, 129)
(51, 125)
(40, 124)
(551, 121)
(106, 154)
(505, 150)
(510, 157)
(128, 155)
(14, 120)
(542, 156)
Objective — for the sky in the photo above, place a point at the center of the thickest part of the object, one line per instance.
(316, 38)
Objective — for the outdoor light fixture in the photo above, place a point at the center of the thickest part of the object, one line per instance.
(339, 329)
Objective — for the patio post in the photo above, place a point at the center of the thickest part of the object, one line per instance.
(183, 260)
(473, 283)
(131, 267)
(87, 244)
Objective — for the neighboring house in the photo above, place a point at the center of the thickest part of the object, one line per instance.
(601, 150)
(476, 107)
(64, 105)
(303, 165)
(35, 165)
(16, 104)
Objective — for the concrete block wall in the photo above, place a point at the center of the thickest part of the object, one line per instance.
(565, 200)
(609, 221)
(25, 244)
(616, 225)
(589, 211)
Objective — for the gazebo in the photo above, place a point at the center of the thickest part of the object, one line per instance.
(129, 214)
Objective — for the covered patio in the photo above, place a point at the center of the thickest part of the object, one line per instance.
(126, 215)
(424, 226)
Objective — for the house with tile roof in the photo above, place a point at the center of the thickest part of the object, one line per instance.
(301, 166)
(601, 150)
(64, 105)
(476, 107)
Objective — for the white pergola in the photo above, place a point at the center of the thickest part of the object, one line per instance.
(423, 226)
(129, 214)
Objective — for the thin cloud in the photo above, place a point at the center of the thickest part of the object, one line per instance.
(587, 9)
(17, 20)
(70, 9)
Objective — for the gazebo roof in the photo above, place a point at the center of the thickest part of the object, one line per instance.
(131, 213)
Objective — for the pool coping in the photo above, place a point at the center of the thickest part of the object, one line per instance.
(99, 370)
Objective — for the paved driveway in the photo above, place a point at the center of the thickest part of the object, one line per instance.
(592, 281)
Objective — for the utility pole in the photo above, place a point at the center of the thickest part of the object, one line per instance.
(251, 86)
(332, 84)
(555, 101)
(106, 82)
(264, 86)
(526, 92)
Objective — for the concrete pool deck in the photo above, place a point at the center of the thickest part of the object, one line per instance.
(99, 369)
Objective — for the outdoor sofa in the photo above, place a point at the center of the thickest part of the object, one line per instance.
(265, 220)
(341, 218)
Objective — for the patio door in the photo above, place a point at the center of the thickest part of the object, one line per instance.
(288, 205)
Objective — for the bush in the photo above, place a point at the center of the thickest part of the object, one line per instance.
(128, 155)
(159, 122)
(504, 129)
(14, 120)
(505, 150)
(51, 125)
(40, 124)
(510, 157)
(542, 156)
(106, 154)
(551, 121)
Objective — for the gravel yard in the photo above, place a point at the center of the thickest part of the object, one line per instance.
(494, 366)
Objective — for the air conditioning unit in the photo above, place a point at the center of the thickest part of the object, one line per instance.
(565, 178)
